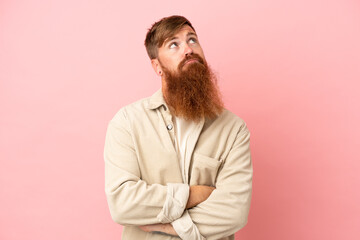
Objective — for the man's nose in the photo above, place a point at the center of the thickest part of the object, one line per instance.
(188, 50)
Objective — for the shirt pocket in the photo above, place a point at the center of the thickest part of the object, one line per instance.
(204, 170)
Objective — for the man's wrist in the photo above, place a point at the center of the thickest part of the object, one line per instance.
(169, 229)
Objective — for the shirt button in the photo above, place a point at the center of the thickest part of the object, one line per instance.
(169, 127)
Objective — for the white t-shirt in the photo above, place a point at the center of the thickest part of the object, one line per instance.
(183, 129)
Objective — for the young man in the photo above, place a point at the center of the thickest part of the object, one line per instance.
(177, 164)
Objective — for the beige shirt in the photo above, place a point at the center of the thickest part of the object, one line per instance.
(142, 170)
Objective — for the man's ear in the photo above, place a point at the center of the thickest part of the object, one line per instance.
(156, 66)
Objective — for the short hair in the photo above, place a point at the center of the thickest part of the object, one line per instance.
(162, 30)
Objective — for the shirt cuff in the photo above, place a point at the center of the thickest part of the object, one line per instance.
(175, 202)
(186, 229)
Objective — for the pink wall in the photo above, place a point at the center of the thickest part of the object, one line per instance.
(290, 69)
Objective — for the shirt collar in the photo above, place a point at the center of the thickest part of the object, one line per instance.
(156, 100)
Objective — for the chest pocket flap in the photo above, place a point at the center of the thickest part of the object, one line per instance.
(203, 170)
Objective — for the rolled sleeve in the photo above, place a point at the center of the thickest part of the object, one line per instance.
(175, 202)
(186, 229)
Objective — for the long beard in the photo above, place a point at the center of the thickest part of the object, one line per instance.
(192, 92)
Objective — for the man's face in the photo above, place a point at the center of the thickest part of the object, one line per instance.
(188, 84)
(176, 48)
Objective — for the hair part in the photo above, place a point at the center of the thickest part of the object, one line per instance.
(162, 30)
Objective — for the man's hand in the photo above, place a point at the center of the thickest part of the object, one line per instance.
(198, 194)
(165, 228)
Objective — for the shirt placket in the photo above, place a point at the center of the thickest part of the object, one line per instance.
(168, 124)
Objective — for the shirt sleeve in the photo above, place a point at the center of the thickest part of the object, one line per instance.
(227, 208)
(131, 200)
(175, 203)
(186, 229)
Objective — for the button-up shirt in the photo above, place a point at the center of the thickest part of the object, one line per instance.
(143, 174)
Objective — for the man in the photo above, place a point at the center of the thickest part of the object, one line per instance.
(177, 164)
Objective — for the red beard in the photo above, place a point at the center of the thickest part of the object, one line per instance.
(192, 92)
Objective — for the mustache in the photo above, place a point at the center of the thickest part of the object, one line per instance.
(193, 56)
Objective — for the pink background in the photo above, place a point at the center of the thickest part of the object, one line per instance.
(290, 69)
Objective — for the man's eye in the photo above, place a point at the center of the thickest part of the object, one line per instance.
(173, 45)
(192, 40)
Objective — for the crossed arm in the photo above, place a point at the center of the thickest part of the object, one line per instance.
(198, 194)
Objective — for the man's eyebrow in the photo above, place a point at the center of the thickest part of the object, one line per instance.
(169, 39)
(191, 33)
(173, 38)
